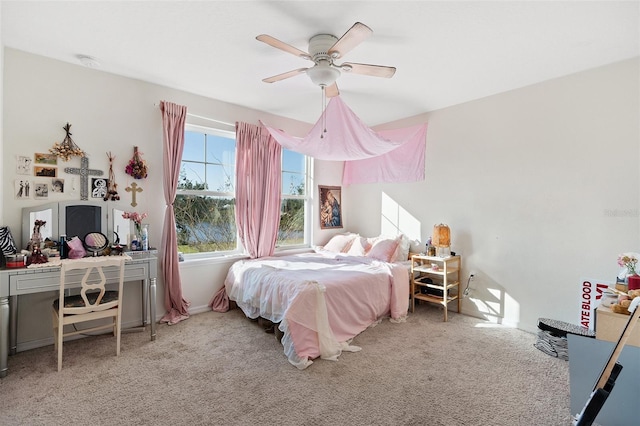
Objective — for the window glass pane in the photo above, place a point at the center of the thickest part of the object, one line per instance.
(205, 223)
(292, 161)
(220, 178)
(193, 146)
(293, 183)
(291, 229)
(220, 150)
(192, 176)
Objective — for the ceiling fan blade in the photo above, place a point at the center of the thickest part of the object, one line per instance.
(274, 42)
(353, 37)
(367, 69)
(284, 75)
(332, 91)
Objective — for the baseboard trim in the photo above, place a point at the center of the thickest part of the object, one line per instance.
(39, 343)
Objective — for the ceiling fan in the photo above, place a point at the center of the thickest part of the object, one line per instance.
(324, 49)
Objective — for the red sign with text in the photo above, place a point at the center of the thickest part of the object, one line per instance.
(590, 297)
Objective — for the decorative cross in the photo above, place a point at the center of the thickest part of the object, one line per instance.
(84, 171)
(133, 189)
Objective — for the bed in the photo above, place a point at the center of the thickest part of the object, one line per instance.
(321, 300)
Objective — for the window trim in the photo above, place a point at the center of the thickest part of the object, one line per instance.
(239, 250)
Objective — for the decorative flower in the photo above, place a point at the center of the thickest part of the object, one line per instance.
(137, 167)
(629, 261)
(136, 218)
(67, 148)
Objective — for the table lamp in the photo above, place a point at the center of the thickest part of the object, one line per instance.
(441, 239)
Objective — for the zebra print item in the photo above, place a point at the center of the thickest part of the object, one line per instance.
(7, 245)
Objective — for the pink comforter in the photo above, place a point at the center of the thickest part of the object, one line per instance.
(320, 300)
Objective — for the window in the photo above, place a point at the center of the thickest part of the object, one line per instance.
(205, 199)
(295, 200)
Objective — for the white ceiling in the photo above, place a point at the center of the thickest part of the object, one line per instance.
(445, 52)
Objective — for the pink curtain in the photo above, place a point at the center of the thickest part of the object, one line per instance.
(258, 189)
(173, 119)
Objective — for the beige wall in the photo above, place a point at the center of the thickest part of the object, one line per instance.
(540, 187)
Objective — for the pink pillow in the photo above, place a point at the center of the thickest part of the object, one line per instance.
(359, 247)
(384, 249)
(340, 243)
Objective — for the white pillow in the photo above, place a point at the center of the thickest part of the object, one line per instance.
(402, 252)
(340, 243)
(384, 249)
(359, 247)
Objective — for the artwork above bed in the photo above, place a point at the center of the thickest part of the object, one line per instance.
(322, 300)
(330, 207)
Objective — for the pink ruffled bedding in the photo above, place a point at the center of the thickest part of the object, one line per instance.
(320, 300)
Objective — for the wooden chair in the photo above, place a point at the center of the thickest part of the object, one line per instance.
(94, 301)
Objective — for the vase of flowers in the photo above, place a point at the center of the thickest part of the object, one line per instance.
(629, 262)
(136, 218)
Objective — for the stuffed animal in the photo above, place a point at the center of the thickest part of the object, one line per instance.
(624, 301)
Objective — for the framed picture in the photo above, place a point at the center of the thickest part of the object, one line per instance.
(23, 165)
(99, 187)
(57, 185)
(49, 159)
(22, 189)
(41, 190)
(330, 207)
(45, 171)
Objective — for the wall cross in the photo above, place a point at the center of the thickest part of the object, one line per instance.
(133, 189)
(84, 171)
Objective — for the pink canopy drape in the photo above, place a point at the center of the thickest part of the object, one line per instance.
(370, 156)
(258, 189)
(173, 119)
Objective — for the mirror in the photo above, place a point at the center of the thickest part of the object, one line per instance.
(95, 242)
(48, 213)
(121, 226)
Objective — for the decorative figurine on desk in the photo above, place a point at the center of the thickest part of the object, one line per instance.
(36, 240)
(36, 236)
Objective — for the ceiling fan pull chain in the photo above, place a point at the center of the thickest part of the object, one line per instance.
(324, 107)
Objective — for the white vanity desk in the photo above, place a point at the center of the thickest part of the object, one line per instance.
(14, 282)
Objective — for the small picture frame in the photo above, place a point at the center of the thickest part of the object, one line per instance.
(48, 159)
(99, 187)
(330, 206)
(23, 165)
(41, 190)
(57, 185)
(45, 171)
(22, 189)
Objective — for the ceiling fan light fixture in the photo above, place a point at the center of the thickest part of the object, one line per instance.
(323, 75)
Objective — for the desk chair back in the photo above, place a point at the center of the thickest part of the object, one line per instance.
(94, 301)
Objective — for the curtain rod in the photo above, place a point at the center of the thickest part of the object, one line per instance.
(205, 118)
